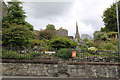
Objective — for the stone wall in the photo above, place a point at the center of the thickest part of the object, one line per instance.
(59, 70)
(62, 32)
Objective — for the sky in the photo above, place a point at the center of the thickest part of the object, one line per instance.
(65, 13)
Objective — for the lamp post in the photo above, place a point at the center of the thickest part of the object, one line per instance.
(118, 25)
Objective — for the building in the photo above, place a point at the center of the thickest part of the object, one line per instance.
(77, 35)
(62, 32)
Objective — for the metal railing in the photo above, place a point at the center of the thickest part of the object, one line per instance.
(82, 55)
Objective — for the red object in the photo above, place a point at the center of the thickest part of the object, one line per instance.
(73, 53)
(61, 28)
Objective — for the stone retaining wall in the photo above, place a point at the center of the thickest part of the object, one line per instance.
(59, 70)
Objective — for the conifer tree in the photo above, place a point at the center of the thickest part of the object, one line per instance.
(15, 14)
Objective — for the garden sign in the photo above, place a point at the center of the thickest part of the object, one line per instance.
(73, 53)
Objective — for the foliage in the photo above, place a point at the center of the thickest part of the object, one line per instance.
(97, 44)
(112, 34)
(64, 53)
(15, 14)
(89, 43)
(100, 36)
(92, 49)
(85, 39)
(107, 46)
(16, 35)
(109, 18)
(35, 43)
(50, 27)
(10, 54)
(62, 42)
(46, 34)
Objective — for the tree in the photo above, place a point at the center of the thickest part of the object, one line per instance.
(109, 18)
(16, 35)
(46, 34)
(15, 14)
(50, 27)
(62, 42)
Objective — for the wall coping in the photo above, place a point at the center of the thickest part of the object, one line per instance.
(56, 62)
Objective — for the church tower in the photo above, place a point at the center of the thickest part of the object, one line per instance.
(77, 35)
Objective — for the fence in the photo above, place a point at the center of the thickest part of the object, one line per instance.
(82, 55)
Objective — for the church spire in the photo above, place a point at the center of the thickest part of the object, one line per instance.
(77, 35)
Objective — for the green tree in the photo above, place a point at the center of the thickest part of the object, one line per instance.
(16, 35)
(62, 42)
(109, 18)
(50, 27)
(15, 14)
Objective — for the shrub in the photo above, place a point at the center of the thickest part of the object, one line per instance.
(64, 53)
(85, 39)
(100, 36)
(92, 50)
(62, 42)
(89, 43)
(35, 43)
(107, 46)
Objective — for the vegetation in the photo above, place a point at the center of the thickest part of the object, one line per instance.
(10, 54)
(35, 42)
(100, 36)
(50, 27)
(85, 39)
(64, 53)
(109, 18)
(16, 35)
(89, 43)
(17, 32)
(15, 14)
(107, 46)
(46, 34)
(61, 42)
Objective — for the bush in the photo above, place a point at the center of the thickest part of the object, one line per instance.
(93, 50)
(89, 43)
(85, 39)
(62, 42)
(35, 43)
(64, 53)
(100, 36)
(107, 46)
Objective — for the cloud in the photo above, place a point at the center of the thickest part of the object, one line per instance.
(88, 14)
(48, 10)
